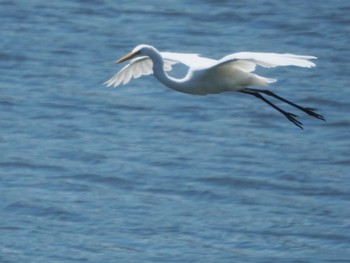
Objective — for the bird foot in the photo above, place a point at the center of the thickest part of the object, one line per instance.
(292, 118)
(311, 112)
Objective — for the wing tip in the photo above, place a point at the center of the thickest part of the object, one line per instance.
(111, 83)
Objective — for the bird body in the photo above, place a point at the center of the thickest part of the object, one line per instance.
(233, 72)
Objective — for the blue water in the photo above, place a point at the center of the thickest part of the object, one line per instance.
(145, 174)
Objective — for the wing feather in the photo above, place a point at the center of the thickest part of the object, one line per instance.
(269, 60)
(235, 65)
(189, 59)
(136, 68)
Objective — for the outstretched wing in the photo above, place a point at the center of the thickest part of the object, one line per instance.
(248, 60)
(141, 66)
(239, 66)
(190, 60)
(136, 68)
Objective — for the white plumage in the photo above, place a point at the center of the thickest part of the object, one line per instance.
(233, 72)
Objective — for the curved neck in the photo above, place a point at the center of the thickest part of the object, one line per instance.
(159, 73)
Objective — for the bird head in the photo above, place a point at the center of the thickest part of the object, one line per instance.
(140, 50)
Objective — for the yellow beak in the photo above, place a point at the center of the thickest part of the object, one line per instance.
(126, 57)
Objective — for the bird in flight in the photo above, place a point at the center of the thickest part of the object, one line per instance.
(233, 72)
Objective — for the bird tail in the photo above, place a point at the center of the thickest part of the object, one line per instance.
(262, 81)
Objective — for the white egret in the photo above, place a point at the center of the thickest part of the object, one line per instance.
(207, 76)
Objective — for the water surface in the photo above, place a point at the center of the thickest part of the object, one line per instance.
(144, 174)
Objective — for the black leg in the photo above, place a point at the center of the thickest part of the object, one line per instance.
(290, 116)
(309, 111)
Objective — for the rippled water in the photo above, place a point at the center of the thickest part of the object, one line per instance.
(144, 174)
